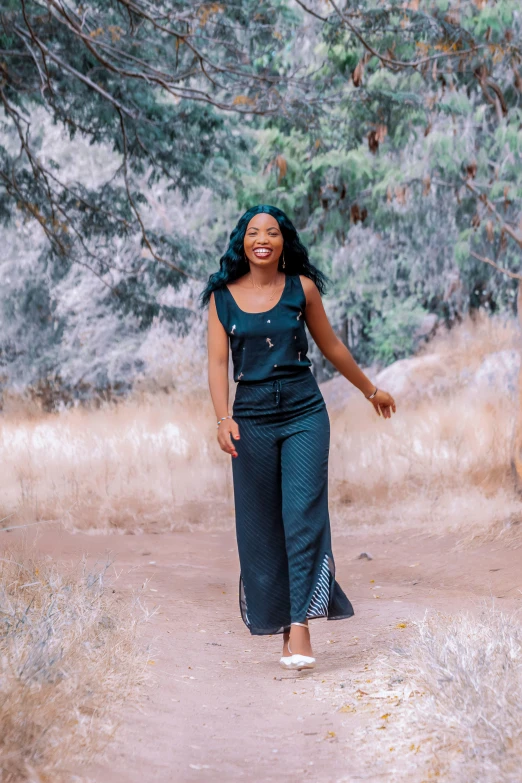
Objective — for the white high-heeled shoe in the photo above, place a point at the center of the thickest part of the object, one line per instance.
(285, 661)
(296, 660)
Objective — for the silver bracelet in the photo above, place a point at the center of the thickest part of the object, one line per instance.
(373, 395)
(223, 419)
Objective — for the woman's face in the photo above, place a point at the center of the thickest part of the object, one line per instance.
(263, 240)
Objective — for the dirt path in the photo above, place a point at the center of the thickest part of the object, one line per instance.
(218, 708)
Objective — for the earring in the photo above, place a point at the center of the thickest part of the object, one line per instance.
(283, 256)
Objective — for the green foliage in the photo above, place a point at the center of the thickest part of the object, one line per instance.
(152, 84)
(426, 159)
(392, 135)
(395, 333)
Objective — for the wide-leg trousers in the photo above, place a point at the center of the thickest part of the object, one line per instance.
(280, 476)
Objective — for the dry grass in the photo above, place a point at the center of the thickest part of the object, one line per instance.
(443, 463)
(432, 445)
(467, 344)
(441, 467)
(68, 655)
(446, 704)
(152, 464)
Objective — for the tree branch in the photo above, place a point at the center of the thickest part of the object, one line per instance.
(390, 61)
(58, 60)
(486, 260)
(136, 211)
(493, 210)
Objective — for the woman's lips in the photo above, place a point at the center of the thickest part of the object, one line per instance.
(262, 252)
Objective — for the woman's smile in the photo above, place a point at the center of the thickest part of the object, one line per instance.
(262, 252)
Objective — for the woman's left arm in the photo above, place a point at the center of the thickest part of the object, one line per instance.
(337, 353)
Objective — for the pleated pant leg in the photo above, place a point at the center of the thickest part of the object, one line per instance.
(281, 503)
(304, 473)
(264, 586)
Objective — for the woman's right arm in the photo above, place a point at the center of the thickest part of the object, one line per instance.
(217, 342)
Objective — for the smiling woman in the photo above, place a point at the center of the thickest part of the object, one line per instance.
(263, 238)
(263, 242)
(279, 434)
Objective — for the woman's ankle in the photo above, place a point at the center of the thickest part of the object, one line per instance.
(300, 640)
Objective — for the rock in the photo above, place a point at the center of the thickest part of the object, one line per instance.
(411, 378)
(337, 390)
(430, 375)
(499, 370)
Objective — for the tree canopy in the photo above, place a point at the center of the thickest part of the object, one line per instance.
(390, 133)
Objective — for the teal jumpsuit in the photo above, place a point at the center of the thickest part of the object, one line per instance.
(280, 476)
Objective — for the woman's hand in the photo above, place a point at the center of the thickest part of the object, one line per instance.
(383, 402)
(227, 428)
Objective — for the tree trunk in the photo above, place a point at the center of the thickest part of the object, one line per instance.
(516, 460)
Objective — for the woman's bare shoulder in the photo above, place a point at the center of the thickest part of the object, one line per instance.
(309, 287)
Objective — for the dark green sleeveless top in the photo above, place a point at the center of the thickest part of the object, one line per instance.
(266, 345)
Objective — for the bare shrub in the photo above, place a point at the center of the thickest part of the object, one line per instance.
(450, 700)
(68, 655)
(470, 670)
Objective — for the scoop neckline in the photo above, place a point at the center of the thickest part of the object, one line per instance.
(263, 312)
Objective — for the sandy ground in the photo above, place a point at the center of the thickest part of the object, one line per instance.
(217, 706)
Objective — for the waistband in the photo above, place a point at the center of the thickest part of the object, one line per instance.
(277, 384)
(299, 375)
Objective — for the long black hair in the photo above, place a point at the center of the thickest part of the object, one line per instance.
(233, 263)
